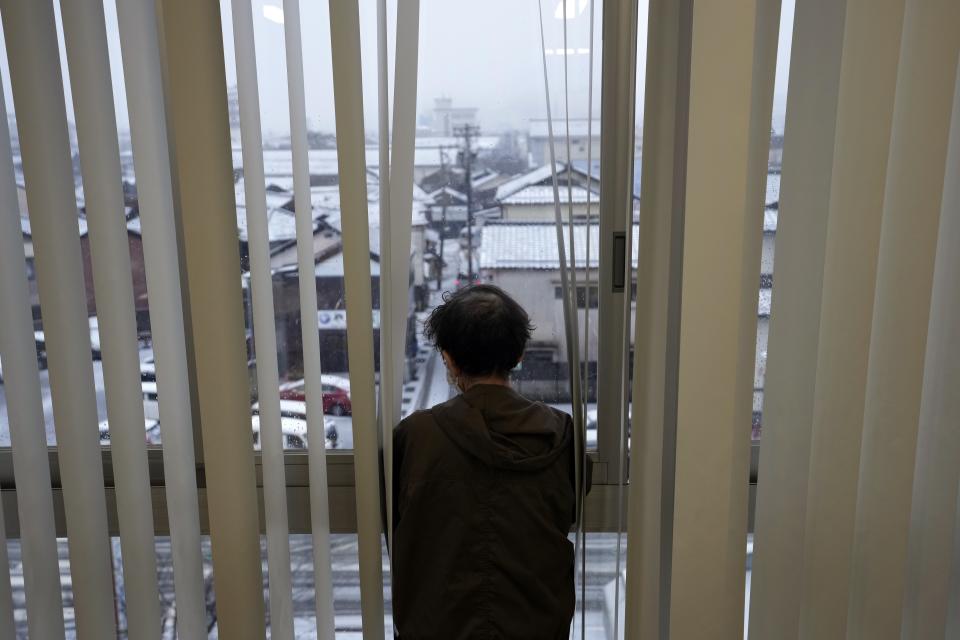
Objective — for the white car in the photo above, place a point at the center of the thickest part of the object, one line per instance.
(293, 425)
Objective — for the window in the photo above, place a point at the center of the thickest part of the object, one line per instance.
(582, 296)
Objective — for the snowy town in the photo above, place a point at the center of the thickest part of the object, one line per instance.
(483, 211)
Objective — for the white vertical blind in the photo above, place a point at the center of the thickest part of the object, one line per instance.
(400, 212)
(89, 65)
(871, 44)
(795, 317)
(139, 42)
(310, 332)
(953, 613)
(766, 31)
(661, 208)
(710, 517)
(911, 212)
(569, 311)
(265, 334)
(38, 94)
(197, 102)
(937, 470)
(390, 397)
(348, 106)
(31, 467)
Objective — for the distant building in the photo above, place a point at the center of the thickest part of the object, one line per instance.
(445, 117)
(331, 314)
(538, 140)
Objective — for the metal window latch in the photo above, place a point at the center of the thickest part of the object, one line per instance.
(619, 261)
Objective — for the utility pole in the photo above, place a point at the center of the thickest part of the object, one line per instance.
(467, 132)
(443, 214)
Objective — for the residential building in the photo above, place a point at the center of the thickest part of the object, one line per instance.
(538, 140)
(522, 258)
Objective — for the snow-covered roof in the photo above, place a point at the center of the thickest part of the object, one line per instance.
(770, 220)
(278, 192)
(419, 195)
(332, 267)
(480, 180)
(773, 188)
(544, 195)
(578, 127)
(534, 245)
(450, 191)
(544, 174)
(281, 225)
(527, 179)
(278, 163)
(452, 143)
(763, 308)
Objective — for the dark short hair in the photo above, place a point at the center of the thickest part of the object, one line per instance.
(482, 328)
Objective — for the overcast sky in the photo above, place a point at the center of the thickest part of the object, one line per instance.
(480, 54)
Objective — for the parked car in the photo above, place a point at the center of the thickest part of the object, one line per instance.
(336, 394)
(463, 279)
(293, 425)
(151, 429)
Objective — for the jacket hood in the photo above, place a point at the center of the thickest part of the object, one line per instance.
(501, 428)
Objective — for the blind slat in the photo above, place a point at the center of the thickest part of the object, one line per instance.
(650, 515)
(21, 382)
(310, 332)
(89, 66)
(38, 94)
(937, 470)
(389, 407)
(795, 317)
(912, 202)
(713, 445)
(871, 44)
(199, 126)
(140, 46)
(400, 213)
(265, 335)
(348, 106)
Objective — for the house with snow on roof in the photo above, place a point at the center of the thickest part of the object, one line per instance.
(530, 197)
(522, 258)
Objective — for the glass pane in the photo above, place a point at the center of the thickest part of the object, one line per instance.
(134, 239)
(771, 212)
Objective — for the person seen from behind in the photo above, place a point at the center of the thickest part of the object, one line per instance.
(484, 492)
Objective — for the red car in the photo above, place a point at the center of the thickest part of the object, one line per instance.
(336, 394)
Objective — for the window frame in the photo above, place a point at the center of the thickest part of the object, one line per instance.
(601, 506)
